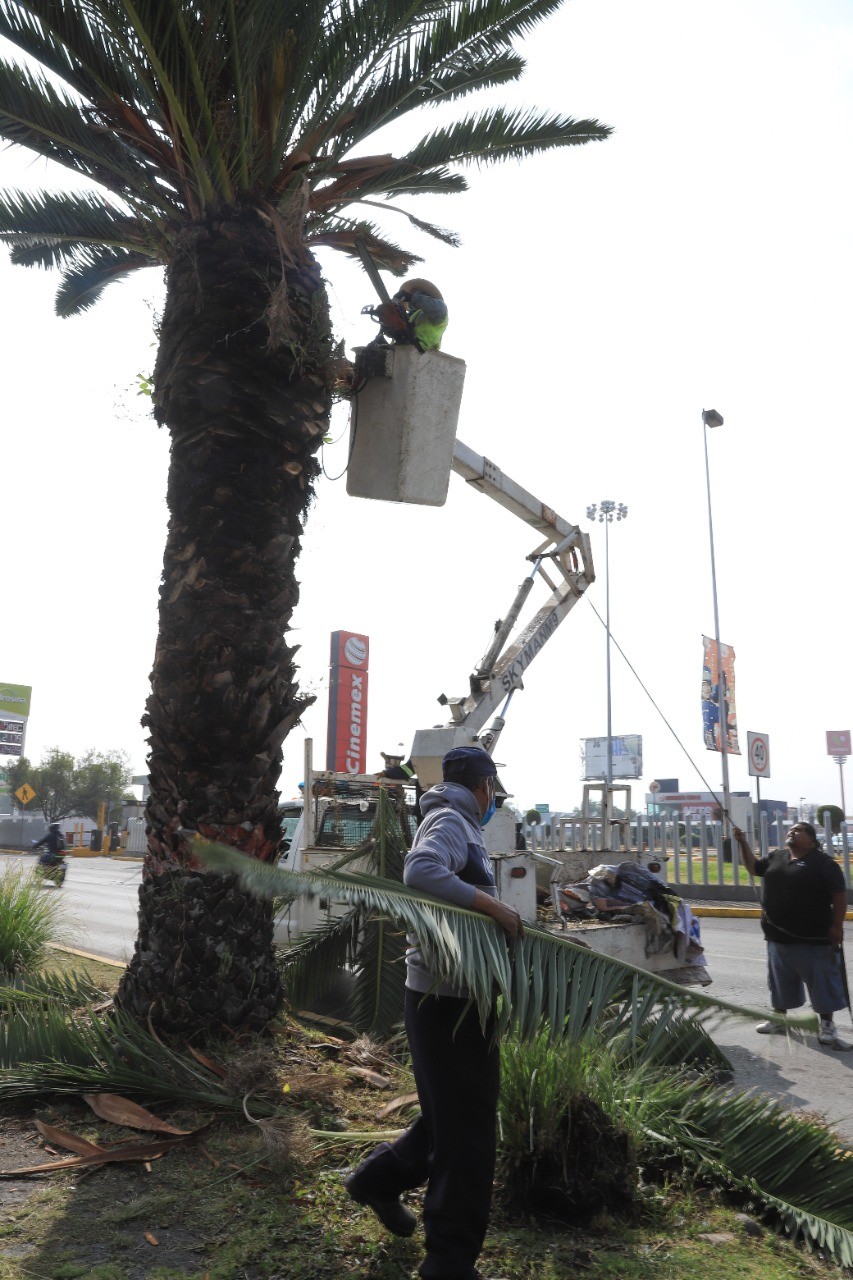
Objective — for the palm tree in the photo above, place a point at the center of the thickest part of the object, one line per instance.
(224, 140)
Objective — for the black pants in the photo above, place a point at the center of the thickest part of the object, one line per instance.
(452, 1146)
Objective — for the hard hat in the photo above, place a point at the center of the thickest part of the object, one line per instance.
(416, 285)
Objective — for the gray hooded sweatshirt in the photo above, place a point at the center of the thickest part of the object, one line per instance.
(448, 859)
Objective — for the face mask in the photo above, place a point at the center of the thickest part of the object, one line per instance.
(488, 815)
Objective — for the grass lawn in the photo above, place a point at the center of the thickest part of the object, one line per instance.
(245, 1204)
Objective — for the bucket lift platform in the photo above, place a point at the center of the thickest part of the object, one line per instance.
(403, 425)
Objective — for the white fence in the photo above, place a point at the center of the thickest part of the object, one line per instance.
(692, 850)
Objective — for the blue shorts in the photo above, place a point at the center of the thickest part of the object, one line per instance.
(796, 967)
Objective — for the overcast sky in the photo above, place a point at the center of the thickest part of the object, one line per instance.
(603, 296)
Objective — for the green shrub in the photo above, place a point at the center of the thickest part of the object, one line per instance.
(29, 919)
(559, 1152)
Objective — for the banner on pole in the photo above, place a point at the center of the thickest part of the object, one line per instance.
(718, 696)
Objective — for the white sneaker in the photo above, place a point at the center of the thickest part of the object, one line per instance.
(829, 1036)
(771, 1029)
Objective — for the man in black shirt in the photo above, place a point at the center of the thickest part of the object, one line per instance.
(804, 904)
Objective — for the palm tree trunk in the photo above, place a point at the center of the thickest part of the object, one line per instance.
(241, 384)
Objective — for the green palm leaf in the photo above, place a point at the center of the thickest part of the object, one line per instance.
(84, 282)
(543, 978)
(36, 115)
(314, 961)
(499, 134)
(787, 1162)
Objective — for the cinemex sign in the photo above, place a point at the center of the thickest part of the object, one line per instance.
(346, 740)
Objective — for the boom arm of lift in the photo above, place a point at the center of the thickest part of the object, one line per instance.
(563, 560)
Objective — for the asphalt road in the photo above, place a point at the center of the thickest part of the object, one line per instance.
(795, 1070)
(100, 900)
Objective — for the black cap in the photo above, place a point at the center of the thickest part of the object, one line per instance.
(467, 762)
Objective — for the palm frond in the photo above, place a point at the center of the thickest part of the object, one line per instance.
(342, 234)
(44, 1051)
(380, 976)
(789, 1163)
(499, 134)
(405, 87)
(84, 282)
(36, 115)
(72, 219)
(312, 963)
(543, 979)
(429, 228)
(69, 990)
(82, 54)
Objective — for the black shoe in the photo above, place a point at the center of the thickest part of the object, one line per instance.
(393, 1214)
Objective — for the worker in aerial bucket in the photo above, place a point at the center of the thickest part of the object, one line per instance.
(417, 313)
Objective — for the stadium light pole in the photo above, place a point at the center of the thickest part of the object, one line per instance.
(606, 512)
(710, 418)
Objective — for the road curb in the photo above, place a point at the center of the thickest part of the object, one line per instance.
(734, 913)
(81, 853)
(87, 955)
(749, 913)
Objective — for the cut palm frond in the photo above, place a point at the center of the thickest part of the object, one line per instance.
(369, 943)
(542, 978)
(42, 1050)
(71, 990)
(790, 1164)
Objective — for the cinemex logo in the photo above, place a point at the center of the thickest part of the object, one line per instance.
(355, 651)
(356, 716)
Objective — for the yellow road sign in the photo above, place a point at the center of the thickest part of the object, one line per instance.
(25, 793)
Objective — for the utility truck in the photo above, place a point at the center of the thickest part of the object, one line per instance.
(339, 808)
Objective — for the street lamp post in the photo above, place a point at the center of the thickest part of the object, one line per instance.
(606, 512)
(710, 418)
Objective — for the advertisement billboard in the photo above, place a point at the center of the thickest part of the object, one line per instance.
(15, 700)
(346, 739)
(627, 755)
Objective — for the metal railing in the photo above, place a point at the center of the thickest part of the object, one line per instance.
(692, 850)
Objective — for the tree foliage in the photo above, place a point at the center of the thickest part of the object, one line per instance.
(65, 786)
(835, 815)
(176, 110)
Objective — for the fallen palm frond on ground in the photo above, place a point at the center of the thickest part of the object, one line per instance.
(542, 979)
(43, 1051)
(24, 989)
(784, 1162)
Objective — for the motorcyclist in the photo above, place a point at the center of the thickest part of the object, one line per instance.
(55, 850)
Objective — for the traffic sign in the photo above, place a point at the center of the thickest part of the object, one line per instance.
(25, 793)
(654, 787)
(758, 753)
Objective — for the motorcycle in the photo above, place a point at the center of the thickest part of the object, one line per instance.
(50, 866)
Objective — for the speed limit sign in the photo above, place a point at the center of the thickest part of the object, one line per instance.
(758, 751)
